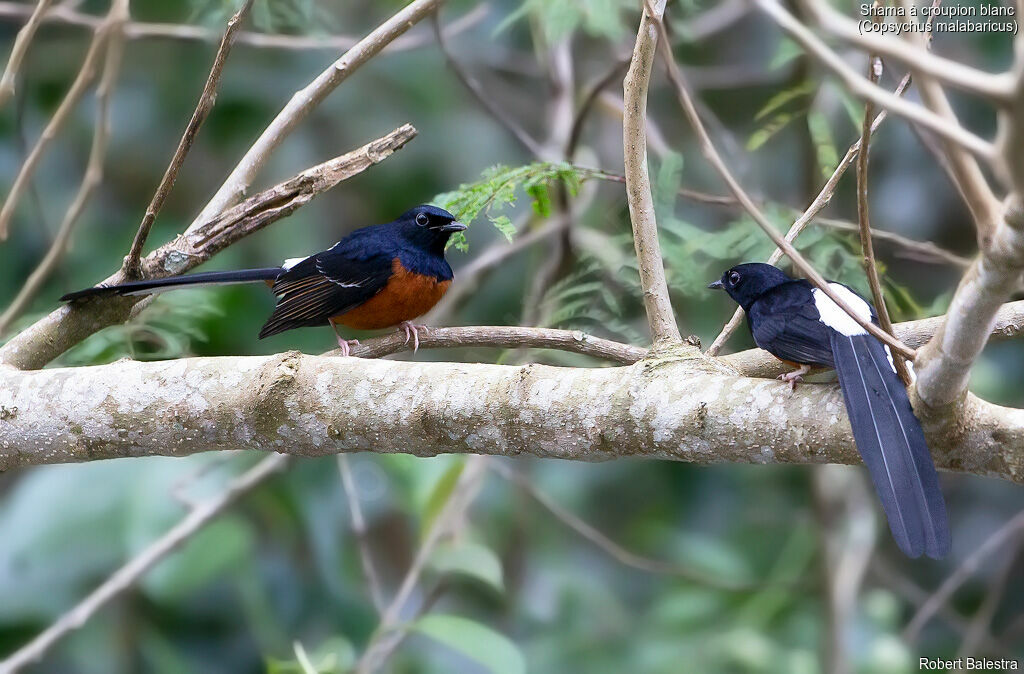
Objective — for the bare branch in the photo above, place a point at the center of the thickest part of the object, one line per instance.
(82, 81)
(486, 102)
(995, 88)
(388, 636)
(54, 334)
(922, 251)
(136, 30)
(359, 531)
(305, 101)
(864, 219)
(711, 154)
(660, 316)
(19, 50)
(610, 547)
(509, 337)
(1006, 533)
(203, 108)
(129, 574)
(90, 180)
(865, 90)
(677, 405)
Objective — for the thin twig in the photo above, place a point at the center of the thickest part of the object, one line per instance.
(359, 531)
(21, 44)
(476, 89)
(922, 251)
(864, 219)
(499, 336)
(305, 101)
(978, 630)
(388, 636)
(709, 151)
(865, 90)
(137, 566)
(206, 102)
(90, 179)
(660, 317)
(610, 547)
(137, 30)
(971, 563)
(587, 104)
(86, 75)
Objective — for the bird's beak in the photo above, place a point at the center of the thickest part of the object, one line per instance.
(717, 285)
(453, 226)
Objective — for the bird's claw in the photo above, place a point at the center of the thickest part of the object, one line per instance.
(791, 378)
(411, 331)
(345, 345)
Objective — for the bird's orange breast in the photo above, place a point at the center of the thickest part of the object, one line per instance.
(406, 296)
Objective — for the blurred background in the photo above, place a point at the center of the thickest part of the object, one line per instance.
(623, 566)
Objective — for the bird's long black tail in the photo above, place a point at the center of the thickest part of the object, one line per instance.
(892, 445)
(174, 282)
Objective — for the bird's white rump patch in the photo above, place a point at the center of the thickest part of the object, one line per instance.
(292, 261)
(831, 315)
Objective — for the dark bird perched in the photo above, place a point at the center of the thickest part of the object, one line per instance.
(802, 326)
(376, 277)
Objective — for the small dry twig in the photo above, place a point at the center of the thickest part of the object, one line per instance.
(206, 102)
(21, 44)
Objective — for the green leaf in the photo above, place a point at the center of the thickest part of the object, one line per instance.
(779, 100)
(440, 493)
(824, 145)
(478, 642)
(504, 225)
(469, 559)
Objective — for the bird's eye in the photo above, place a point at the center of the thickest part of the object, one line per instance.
(734, 277)
(422, 219)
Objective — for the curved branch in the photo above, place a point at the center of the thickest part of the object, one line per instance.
(21, 44)
(867, 91)
(680, 406)
(508, 337)
(305, 101)
(660, 316)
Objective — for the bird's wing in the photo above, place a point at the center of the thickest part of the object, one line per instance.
(785, 323)
(326, 284)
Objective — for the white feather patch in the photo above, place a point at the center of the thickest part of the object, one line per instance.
(292, 261)
(831, 315)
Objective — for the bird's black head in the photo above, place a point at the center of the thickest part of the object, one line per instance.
(428, 227)
(746, 282)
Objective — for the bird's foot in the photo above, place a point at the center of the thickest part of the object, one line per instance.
(795, 377)
(411, 331)
(345, 345)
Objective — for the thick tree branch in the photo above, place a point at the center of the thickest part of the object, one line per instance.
(305, 101)
(681, 406)
(54, 334)
(660, 316)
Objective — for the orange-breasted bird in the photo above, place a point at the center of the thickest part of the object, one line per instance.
(377, 277)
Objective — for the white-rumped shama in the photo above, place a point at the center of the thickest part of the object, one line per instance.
(801, 325)
(377, 277)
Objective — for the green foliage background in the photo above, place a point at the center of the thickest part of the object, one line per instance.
(277, 580)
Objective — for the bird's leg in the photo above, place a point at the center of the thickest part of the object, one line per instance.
(344, 344)
(794, 377)
(411, 330)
